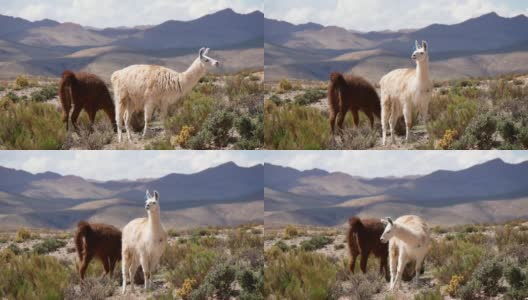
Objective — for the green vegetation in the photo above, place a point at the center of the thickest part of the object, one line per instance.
(48, 245)
(316, 242)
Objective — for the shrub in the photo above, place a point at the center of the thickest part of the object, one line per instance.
(488, 274)
(22, 81)
(183, 137)
(508, 131)
(215, 131)
(48, 245)
(290, 232)
(300, 275)
(284, 86)
(239, 240)
(186, 289)
(22, 235)
(31, 126)
(455, 116)
(470, 291)
(239, 89)
(454, 285)
(195, 108)
(282, 245)
(92, 288)
(309, 97)
(316, 242)
(46, 93)
(429, 294)
(187, 260)
(220, 278)
(12, 96)
(356, 138)
(450, 258)
(33, 277)
(276, 100)
(479, 133)
(295, 127)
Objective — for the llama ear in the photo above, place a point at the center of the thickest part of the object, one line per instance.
(148, 195)
(156, 195)
(389, 220)
(384, 221)
(206, 51)
(201, 52)
(416, 45)
(424, 45)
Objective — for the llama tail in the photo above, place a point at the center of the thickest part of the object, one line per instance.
(83, 229)
(336, 80)
(68, 78)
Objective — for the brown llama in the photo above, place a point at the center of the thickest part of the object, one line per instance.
(97, 240)
(363, 239)
(352, 93)
(84, 91)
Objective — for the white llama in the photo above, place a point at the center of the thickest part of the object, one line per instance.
(406, 90)
(143, 242)
(146, 87)
(409, 240)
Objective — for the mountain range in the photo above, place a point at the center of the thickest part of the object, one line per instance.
(222, 195)
(490, 192)
(488, 45)
(47, 47)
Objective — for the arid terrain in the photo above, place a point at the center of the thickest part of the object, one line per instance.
(197, 264)
(465, 262)
(296, 117)
(222, 112)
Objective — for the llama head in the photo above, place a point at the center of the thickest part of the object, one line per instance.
(206, 60)
(388, 233)
(152, 202)
(421, 52)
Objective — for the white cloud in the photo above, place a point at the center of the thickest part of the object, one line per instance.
(367, 15)
(112, 13)
(114, 165)
(388, 163)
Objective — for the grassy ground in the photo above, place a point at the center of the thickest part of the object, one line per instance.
(465, 262)
(479, 113)
(222, 112)
(201, 263)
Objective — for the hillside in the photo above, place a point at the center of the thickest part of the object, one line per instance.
(487, 193)
(223, 195)
(488, 45)
(47, 47)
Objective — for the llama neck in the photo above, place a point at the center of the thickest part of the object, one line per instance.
(154, 221)
(406, 235)
(422, 71)
(192, 75)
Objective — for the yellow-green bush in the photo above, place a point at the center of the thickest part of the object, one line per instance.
(22, 234)
(30, 125)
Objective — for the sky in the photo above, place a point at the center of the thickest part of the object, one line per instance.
(115, 165)
(114, 13)
(376, 15)
(371, 163)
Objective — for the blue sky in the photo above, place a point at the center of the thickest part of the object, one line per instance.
(105, 165)
(368, 15)
(112, 13)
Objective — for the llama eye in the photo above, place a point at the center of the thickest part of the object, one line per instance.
(206, 60)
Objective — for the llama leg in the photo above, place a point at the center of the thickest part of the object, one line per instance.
(91, 116)
(132, 272)
(341, 119)
(66, 117)
(332, 121)
(402, 262)
(146, 270)
(418, 268)
(76, 111)
(393, 261)
(119, 120)
(407, 115)
(148, 113)
(124, 269)
(384, 267)
(363, 262)
(106, 266)
(128, 117)
(383, 124)
(352, 264)
(84, 265)
(370, 116)
(355, 114)
(392, 124)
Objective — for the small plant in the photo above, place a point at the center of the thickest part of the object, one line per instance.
(22, 234)
(488, 274)
(290, 232)
(21, 82)
(284, 86)
(316, 242)
(48, 245)
(186, 289)
(479, 133)
(454, 285)
(183, 137)
(282, 245)
(309, 97)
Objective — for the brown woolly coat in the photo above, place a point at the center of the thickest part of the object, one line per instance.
(97, 240)
(351, 93)
(84, 91)
(364, 239)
